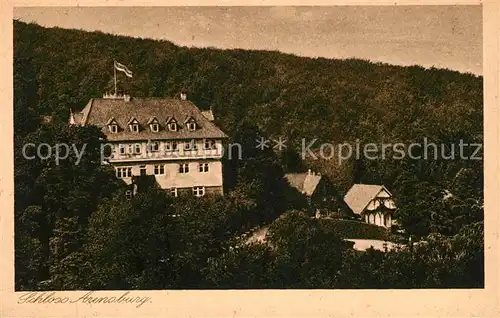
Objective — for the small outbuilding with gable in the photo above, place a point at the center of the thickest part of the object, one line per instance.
(310, 185)
(373, 203)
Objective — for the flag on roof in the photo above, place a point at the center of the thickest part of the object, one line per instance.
(123, 68)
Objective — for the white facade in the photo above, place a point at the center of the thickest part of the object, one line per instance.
(378, 218)
(373, 203)
(164, 150)
(168, 138)
(379, 210)
(176, 164)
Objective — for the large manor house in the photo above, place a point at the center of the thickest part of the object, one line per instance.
(179, 144)
(169, 138)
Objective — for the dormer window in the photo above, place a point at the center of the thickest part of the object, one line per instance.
(112, 126)
(172, 124)
(133, 125)
(154, 125)
(191, 124)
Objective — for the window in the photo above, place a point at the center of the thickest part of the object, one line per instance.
(112, 126)
(191, 145)
(203, 167)
(142, 170)
(171, 146)
(134, 127)
(172, 126)
(191, 126)
(173, 191)
(121, 149)
(128, 194)
(155, 127)
(199, 191)
(154, 146)
(137, 148)
(184, 168)
(130, 149)
(124, 172)
(159, 169)
(209, 144)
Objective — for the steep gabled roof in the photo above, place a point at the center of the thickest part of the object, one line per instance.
(132, 120)
(190, 119)
(112, 120)
(152, 120)
(77, 117)
(358, 197)
(305, 183)
(99, 110)
(171, 119)
(208, 114)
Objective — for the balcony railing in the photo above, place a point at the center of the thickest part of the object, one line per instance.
(166, 155)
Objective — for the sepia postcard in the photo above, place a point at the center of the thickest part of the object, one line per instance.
(250, 160)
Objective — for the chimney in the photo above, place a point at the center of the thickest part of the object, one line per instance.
(71, 117)
(126, 98)
(309, 172)
(183, 96)
(111, 96)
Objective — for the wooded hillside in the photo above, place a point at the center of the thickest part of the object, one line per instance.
(62, 210)
(282, 94)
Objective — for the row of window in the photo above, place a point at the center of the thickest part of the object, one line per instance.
(197, 192)
(126, 172)
(172, 146)
(154, 125)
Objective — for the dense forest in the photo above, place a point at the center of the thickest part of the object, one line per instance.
(73, 230)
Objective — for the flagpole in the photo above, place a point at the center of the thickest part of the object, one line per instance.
(114, 68)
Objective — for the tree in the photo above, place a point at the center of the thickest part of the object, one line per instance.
(426, 265)
(136, 250)
(60, 196)
(242, 267)
(309, 255)
(253, 95)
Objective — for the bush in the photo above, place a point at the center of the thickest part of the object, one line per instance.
(356, 229)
